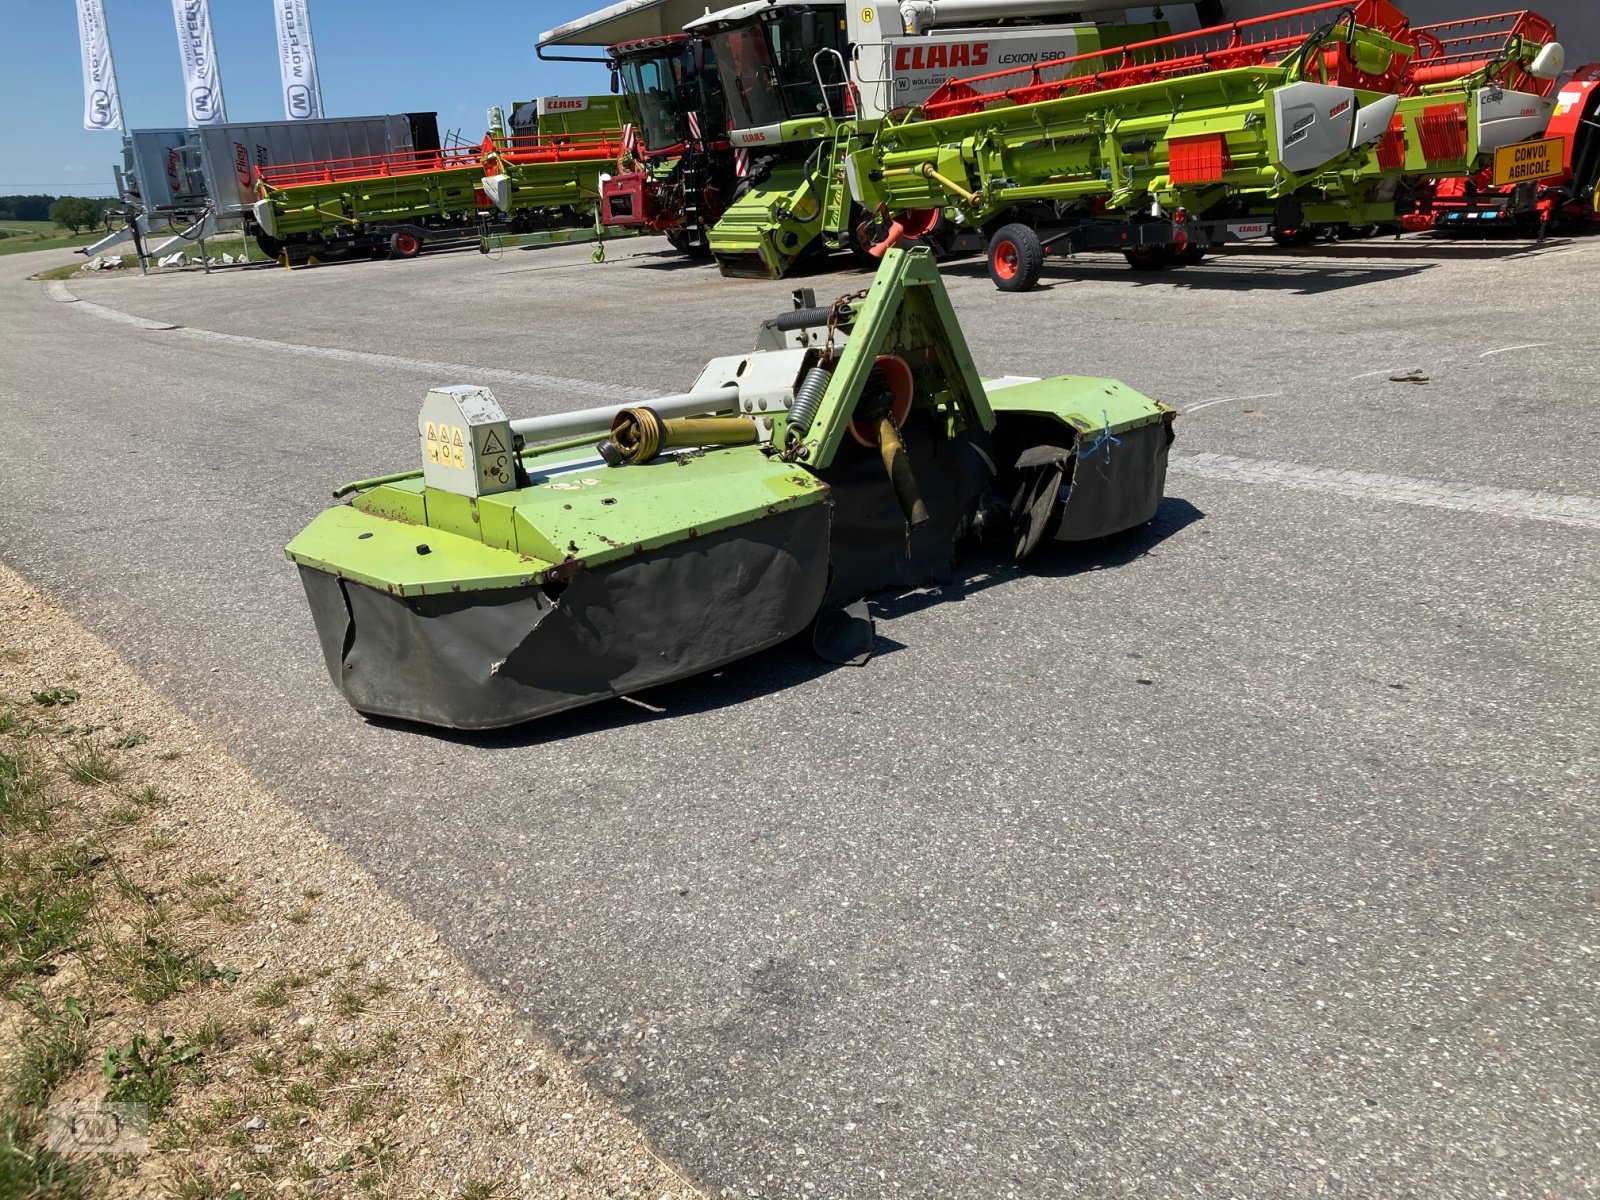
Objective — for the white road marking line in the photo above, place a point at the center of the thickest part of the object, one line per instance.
(1509, 349)
(1583, 512)
(58, 292)
(437, 371)
(1379, 371)
(1226, 400)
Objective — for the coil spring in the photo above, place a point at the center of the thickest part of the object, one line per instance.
(807, 399)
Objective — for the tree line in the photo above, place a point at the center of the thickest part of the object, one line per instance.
(70, 212)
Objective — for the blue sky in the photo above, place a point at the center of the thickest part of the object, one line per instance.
(394, 56)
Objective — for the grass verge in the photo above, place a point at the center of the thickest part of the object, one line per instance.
(176, 942)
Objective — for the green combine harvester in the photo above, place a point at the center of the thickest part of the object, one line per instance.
(807, 84)
(543, 174)
(535, 565)
(1173, 147)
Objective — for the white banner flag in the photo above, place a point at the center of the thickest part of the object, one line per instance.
(297, 61)
(201, 81)
(102, 106)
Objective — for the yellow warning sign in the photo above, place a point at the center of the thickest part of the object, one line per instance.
(445, 444)
(1526, 162)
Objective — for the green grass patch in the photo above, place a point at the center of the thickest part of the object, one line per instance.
(61, 240)
(62, 272)
(152, 968)
(23, 803)
(38, 924)
(89, 765)
(51, 1047)
(273, 995)
(147, 1070)
(27, 1170)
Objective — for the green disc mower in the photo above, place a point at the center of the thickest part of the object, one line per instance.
(536, 565)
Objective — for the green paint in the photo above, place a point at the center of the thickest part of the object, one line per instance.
(804, 205)
(1113, 148)
(578, 513)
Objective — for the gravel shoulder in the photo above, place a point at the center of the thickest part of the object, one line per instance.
(338, 1048)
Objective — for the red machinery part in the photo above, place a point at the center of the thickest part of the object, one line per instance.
(906, 227)
(1203, 158)
(1260, 41)
(1575, 100)
(1451, 50)
(418, 162)
(1576, 122)
(897, 375)
(371, 166)
(627, 200)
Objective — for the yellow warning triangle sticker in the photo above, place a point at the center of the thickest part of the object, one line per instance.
(455, 435)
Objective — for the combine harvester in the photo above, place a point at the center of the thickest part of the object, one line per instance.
(679, 174)
(1168, 148)
(396, 203)
(536, 565)
(678, 171)
(1530, 187)
(807, 84)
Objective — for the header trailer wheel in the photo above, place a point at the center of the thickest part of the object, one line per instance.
(1016, 258)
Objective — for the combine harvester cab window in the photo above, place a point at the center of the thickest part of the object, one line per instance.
(654, 83)
(667, 78)
(768, 70)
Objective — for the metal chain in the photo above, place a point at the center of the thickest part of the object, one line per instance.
(835, 312)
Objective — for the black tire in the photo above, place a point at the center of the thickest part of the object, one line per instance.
(1149, 257)
(1192, 255)
(405, 244)
(681, 241)
(270, 246)
(1016, 258)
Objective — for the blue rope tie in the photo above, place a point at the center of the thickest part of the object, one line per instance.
(1106, 439)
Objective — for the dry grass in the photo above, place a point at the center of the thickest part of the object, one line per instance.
(173, 936)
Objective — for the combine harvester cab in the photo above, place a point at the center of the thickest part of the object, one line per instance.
(540, 564)
(808, 83)
(1165, 149)
(678, 170)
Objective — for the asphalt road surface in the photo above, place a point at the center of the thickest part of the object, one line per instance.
(1251, 854)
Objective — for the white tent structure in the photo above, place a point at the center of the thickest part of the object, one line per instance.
(630, 19)
(1578, 21)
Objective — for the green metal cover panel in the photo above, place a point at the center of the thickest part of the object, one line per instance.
(607, 513)
(387, 555)
(587, 517)
(1089, 405)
